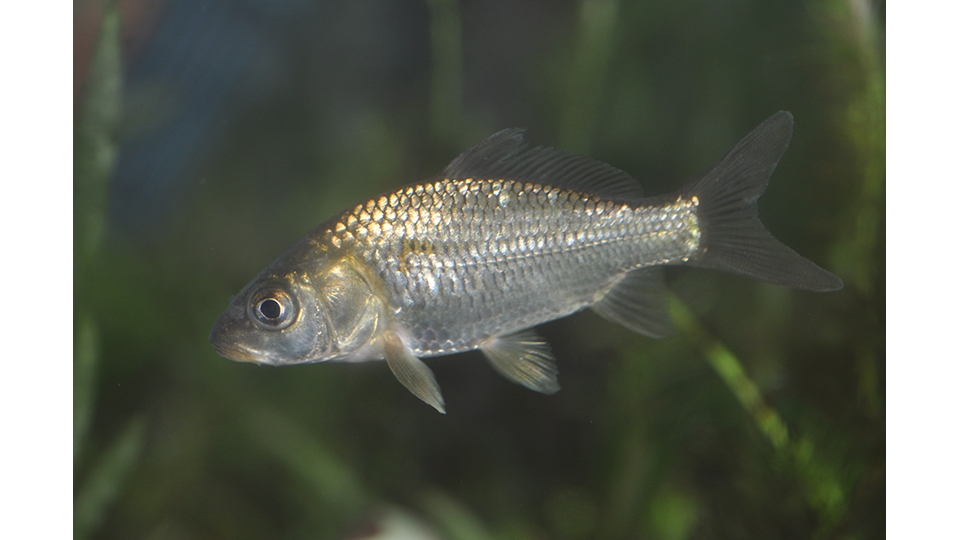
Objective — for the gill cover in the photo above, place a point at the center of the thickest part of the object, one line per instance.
(354, 311)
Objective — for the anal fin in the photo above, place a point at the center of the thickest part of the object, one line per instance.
(638, 302)
(524, 358)
(411, 371)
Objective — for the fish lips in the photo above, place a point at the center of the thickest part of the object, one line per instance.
(223, 337)
(230, 334)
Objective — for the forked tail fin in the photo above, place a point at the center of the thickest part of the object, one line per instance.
(732, 237)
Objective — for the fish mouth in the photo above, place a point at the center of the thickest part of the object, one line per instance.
(239, 352)
(233, 351)
(223, 338)
(230, 349)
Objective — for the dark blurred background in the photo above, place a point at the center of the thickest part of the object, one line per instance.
(210, 135)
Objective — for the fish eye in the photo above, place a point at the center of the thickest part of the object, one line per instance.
(272, 308)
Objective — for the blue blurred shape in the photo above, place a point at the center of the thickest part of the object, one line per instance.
(182, 92)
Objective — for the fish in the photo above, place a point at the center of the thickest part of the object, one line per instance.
(505, 238)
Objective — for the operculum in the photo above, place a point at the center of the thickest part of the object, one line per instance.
(354, 305)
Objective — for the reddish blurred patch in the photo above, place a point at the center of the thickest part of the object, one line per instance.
(139, 19)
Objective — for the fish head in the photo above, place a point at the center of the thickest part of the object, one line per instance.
(272, 321)
(315, 313)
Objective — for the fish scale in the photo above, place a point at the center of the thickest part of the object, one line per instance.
(487, 257)
(506, 238)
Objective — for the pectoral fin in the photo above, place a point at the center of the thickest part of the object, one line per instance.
(524, 358)
(411, 371)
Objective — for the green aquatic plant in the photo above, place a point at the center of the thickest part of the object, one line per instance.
(102, 474)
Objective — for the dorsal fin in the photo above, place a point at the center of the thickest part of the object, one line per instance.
(504, 155)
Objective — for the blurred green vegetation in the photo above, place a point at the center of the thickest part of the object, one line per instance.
(761, 417)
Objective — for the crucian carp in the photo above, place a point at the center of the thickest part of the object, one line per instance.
(503, 239)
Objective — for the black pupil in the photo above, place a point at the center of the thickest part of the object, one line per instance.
(270, 308)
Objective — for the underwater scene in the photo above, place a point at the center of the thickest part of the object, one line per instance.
(716, 386)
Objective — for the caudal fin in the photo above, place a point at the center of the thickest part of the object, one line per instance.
(732, 237)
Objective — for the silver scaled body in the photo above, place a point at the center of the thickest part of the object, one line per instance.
(462, 261)
(503, 239)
